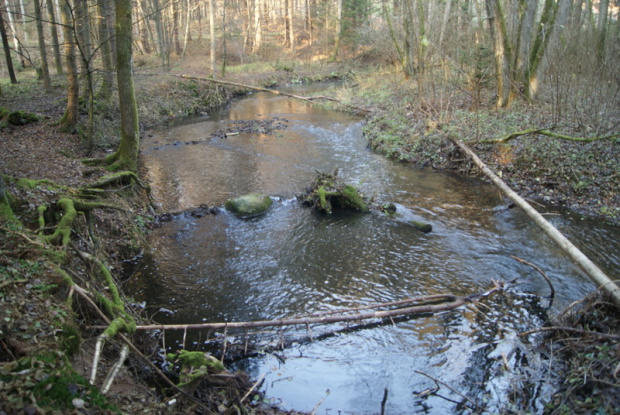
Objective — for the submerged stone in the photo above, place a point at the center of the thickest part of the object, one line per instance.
(252, 204)
(421, 226)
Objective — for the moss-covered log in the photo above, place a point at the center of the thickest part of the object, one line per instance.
(327, 193)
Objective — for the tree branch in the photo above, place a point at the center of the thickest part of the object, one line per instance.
(548, 133)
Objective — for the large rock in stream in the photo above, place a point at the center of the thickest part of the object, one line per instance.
(252, 204)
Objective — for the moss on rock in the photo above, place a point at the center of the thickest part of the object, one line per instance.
(249, 205)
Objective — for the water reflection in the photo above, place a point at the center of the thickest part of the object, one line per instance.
(291, 261)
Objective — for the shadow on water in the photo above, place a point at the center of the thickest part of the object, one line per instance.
(291, 261)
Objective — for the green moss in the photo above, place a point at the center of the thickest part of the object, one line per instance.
(63, 229)
(421, 226)
(70, 340)
(58, 391)
(21, 118)
(352, 199)
(4, 112)
(195, 365)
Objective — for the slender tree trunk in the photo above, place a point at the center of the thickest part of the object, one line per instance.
(7, 50)
(602, 28)
(188, 16)
(68, 122)
(527, 17)
(258, 35)
(45, 73)
(54, 33)
(175, 27)
(130, 129)
(444, 23)
(224, 34)
(338, 30)
(105, 91)
(539, 48)
(16, 43)
(144, 27)
(291, 27)
(498, 31)
(164, 50)
(82, 25)
(212, 35)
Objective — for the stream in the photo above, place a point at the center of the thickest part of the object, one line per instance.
(292, 261)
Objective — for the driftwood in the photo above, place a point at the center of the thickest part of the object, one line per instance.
(257, 88)
(608, 286)
(426, 305)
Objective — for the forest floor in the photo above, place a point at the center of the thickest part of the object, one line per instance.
(36, 318)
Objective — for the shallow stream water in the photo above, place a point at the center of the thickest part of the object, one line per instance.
(291, 261)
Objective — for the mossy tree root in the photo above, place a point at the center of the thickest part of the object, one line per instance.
(70, 209)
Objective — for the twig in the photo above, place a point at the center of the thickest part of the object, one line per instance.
(39, 244)
(523, 261)
(384, 401)
(478, 407)
(572, 330)
(313, 412)
(260, 379)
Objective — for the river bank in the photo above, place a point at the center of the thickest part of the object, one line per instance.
(38, 151)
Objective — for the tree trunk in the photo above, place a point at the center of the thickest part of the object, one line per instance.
(444, 23)
(527, 16)
(497, 27)
(258, 36)
(291, 26)
(105, 91)
(54, 33)
(175, 27)
(212, 35)
(68, 122)
(7, 50)
(602, 28)
(16, 44)
(338, 30)
(186, 37)
(127, 153)
(45, 73)
(144, 27)
(539, 48)
(164, 51)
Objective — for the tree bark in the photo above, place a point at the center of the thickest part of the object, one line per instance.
(105, 91)
(501, 49)
(45, 73)
(602, 281)
(338, 30)
(54, 33)
(212, 35)
(7, 50)
(68, 121)
(127, 153)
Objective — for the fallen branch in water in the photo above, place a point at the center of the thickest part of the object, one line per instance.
(541, 272)
(257, 88)
(438, 382)
(430, 305)
(608, 286)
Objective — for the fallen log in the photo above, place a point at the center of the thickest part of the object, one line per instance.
(605, 283)
(431, 304)
(257, 88)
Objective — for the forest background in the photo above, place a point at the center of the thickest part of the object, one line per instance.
(532, 85)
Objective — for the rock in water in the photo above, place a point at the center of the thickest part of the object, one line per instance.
(252, 204)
